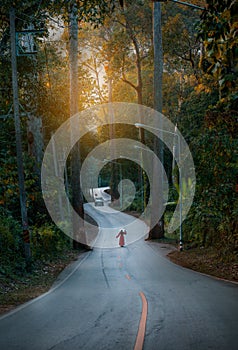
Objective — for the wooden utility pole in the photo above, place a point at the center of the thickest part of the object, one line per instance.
(73, 58)
(157, 185)
(158, 56)
(20, 169)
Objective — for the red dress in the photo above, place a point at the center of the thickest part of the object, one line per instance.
(121, 235)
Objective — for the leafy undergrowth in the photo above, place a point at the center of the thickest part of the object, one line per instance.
(208, 261)
(17, 290)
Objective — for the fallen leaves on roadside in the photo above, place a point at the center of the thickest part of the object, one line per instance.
(206, 261)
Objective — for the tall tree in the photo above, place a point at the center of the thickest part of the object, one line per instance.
(77, 197)
(157, 186)
(76, 14)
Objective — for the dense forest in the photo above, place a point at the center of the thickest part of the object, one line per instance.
(116, 63)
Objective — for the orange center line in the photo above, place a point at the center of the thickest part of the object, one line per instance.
(141, 330)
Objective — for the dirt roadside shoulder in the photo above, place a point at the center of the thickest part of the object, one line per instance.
(203, 260)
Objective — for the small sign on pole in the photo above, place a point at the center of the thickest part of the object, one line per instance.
(25, 42)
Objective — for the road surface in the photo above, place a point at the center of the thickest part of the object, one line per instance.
(110, 222)
(101, 304)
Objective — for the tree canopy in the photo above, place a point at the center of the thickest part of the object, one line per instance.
(115, 47)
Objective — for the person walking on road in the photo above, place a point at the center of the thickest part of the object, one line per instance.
(121, 234)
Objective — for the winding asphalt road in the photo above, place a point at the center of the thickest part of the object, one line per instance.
(109, 297)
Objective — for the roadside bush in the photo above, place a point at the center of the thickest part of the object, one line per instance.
(11, 247)
(48, 241)
(213, 214)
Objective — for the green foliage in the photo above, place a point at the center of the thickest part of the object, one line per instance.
(11, 246)
(212, 216)
(188, 96)
(180, 45)
(9, 191)
(48, 241)
(193, 110)
(218, 30)
(136, 204)
(123, 46)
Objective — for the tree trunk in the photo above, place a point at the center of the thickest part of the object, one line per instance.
(139, 86)
(157, 185)
(77, 198)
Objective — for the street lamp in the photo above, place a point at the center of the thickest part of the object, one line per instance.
(139, 125)
(182, 3)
